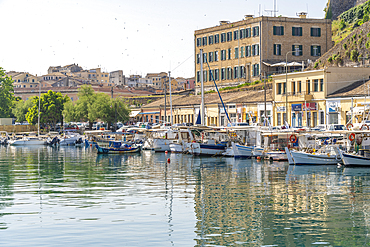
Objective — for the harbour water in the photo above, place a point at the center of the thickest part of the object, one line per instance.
(72, 196)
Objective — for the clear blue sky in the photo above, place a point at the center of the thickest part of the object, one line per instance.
(136, 36)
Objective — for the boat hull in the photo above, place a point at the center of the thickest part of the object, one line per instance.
(302, 158)
(355, 160)
(207, 149)
(102, 150)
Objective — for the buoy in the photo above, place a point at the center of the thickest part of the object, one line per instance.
(258, 158)
(166, 152)
(168, 160)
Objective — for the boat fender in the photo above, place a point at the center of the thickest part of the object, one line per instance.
(338, 158)
(365, 126)
(352, 136)
(349, 126)
(293, 138)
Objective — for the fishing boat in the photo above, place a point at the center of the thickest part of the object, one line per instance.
(326, 156)
(239, 151)
(27, 140)
(118, 148)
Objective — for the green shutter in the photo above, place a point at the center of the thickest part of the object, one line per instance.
(319, 32)
(300, 50)
(319, 50)
(293, 47)
(311, 31)
(311, 49)
(282, 30)
(293, 32)
(274, 30)
(274, 49)
(300, 31)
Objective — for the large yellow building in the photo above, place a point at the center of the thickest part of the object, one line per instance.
(241, 51)
(302, 98)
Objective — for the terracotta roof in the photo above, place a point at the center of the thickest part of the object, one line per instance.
(357, 88)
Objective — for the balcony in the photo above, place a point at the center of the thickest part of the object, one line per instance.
(299, 96)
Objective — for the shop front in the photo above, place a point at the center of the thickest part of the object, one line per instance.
(333, 112)
(296, 115)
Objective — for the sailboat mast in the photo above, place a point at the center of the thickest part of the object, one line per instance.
(202, 88)
(38, 122)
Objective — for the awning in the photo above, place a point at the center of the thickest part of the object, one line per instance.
(283, 64)
(149, 113)
(134, 113)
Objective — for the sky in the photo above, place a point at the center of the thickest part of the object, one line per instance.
(136, 36)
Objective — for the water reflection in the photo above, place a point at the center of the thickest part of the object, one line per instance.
(142, 199)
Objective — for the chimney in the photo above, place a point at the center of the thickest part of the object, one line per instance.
(246, 17)
(302, 15)
(224, 22)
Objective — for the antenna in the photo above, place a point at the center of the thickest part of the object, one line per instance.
(274, 10)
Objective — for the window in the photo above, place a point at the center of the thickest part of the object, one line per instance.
(205, 75)
(198, 58)
(248, 51)
(216, 56)
(223, 37)
(223, 55)
(277, 49)
(255, 69)
(228, 73)
(255, 50)
(210, 40)
(204, 41)
(315, 32)
(204, 57)
(210, 75)
(278, 88)
(278, 30)
(278, 119)
(229, 53)
(322, 118)
(236, 72)
(217, 38)
(297, 50)
(223, 74)
(242, 51)
(199, 42)
(236, 34)
(308, 87)
(242, 72)
(236, 52)
(255, 31)
(293, 87)
(284, 88)
(248, 32)
(297, 31)
(229, 36)
(299, 87)
(210, 56)
(216, 75)
(242, 33)
(316, 85)
(314, 124)
(321, 85)
(315, 50)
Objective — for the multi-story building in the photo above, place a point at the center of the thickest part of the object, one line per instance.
(24, 79)
(117, 78)
(158, 79)
(67, 69)
(244, 50)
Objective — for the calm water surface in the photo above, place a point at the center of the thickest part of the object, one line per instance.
(72, 196)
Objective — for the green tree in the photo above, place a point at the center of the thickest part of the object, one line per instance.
(84, 105)
(51, 109)
(6, 95)
(110, 110)
(20, 109)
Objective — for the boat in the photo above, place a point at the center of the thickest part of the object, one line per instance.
(118, 148)
(239, 151)
(181, 144)
(361, 159)
(326, 156)
(27, 140)
(69, 139)
(209, 148)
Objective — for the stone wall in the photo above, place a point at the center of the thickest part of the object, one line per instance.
(337, 7)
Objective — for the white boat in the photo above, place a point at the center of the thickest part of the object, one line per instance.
(276, 156)
(239, 151)
(319, 158)
(258, 151)
(208, 148)
(180, 145)
(27, 141)
(355, 159)
(69, 139)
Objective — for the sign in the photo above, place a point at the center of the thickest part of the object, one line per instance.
(310, 107)
(296, 107)
(333, 106)
(280, 108)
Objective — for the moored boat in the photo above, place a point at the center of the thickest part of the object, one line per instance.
(118, 148)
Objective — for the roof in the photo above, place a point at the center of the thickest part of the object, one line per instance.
(358, 88)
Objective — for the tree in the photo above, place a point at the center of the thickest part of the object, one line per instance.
(84, 104)
(6, 95)
(109, 110)
(20, 109)
(51, 109)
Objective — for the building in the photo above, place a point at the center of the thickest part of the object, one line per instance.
(23, 79)
(68, 69)
(117, 78)
(304, 96)
(158, 79)
(242, 51)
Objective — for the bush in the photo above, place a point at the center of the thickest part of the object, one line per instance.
(316, 65)
(345, 46)
(330, 59)
(354, 55)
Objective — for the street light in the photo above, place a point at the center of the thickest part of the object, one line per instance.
(286, 83)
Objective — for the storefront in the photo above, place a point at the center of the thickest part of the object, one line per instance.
(261, 112)
(296, 115)
(333, 112)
